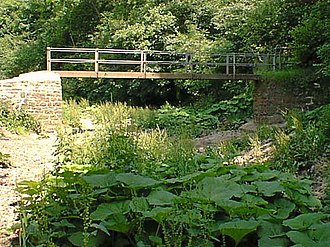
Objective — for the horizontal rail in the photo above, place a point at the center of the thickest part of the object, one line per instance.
(186, 63)
(149, 75)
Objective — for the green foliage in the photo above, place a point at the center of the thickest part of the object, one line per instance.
(311, 36)
(28, 27)
(223, 203)
(186, 121)
(206, 116)
(123, 141)
(18, 120)
(268, 25)
(307, 138)
(125, 185)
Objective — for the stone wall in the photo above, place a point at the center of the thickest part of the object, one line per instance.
(40, 93)
(272, 97)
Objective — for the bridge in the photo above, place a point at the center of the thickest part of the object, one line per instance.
(144, 64)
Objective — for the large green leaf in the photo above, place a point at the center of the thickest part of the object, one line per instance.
(136, 181)
(261, 176)
(319, 236)
(160, 197)
(304, 221)
(197, 176)
(230, 205)
(301, 238)
(104, 210)
(139, 204)
(271, 234)
(101, 228)
(303, 199)
(102, 180)
(320, 232)
(117, 222)
(219, 188)
(77, 239)
(159, 214)
(269, 188)
(252, 200)
(280, 209)
(241, 209)
(238, 229)
(64, 223)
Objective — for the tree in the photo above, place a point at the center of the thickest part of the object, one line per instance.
(311, 38)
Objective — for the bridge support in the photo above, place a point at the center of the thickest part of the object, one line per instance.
(40, 93)
(274, 97)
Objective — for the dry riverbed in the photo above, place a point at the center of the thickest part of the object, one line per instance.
(30, 157)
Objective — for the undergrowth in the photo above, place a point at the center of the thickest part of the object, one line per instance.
(134, 182)
(19, 120)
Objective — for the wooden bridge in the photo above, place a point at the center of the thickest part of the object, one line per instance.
(143, 64)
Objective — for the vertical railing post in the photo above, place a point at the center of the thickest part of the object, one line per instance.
(234, 64)
(96, 61)
(265, 62)
(49, 59)
(274, 62)
(186, 65)
(227, 64)
(145, 62)
(142, 62)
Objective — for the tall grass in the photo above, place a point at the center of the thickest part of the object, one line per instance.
(124, 141)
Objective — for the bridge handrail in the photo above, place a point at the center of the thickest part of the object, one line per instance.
(186, 60)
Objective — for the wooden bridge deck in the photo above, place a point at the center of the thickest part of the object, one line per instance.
(141, 64)
(150, 75)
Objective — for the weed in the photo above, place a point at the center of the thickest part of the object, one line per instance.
(19, 121)
(299, 148)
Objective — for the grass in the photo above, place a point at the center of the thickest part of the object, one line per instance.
(286, 74)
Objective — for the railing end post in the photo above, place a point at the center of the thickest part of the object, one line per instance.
(49, 59)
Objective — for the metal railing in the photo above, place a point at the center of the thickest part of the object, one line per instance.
(145, 61)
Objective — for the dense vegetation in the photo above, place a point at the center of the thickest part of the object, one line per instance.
(138, 179)
(28, 27)
(125, 185)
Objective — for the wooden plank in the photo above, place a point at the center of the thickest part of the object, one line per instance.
(148, 75)
(79, 74)
(121, 75)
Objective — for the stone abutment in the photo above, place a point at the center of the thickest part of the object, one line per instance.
(39, 93)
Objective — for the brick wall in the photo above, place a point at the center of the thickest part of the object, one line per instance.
(40, 93)
(271, 97)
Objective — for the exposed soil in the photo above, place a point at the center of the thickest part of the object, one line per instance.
(30, 157)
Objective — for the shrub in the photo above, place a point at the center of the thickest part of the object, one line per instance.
(18, 120)
(306, 140)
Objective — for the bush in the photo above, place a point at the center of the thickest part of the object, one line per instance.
(300, 147)
(18, 120)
